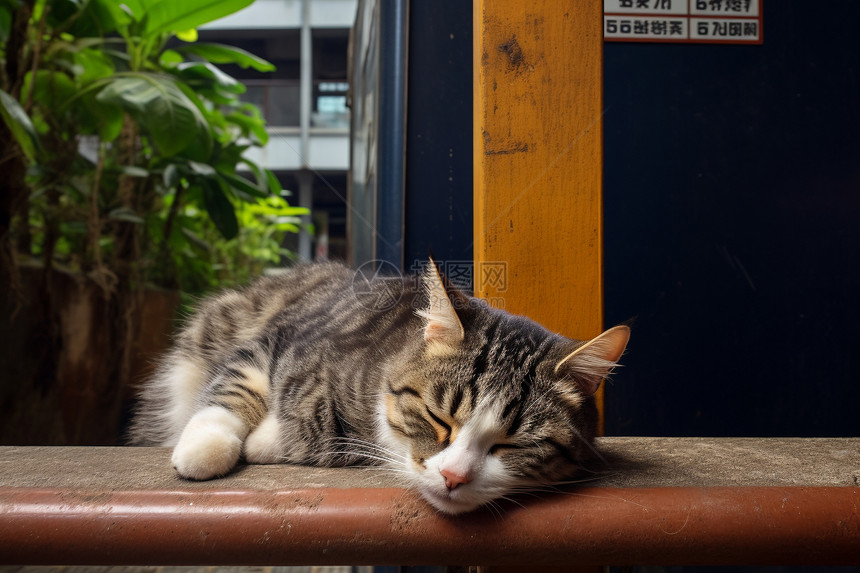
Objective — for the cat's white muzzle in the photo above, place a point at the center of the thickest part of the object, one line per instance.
(484, 471)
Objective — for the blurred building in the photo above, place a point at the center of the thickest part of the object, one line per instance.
(304, 102)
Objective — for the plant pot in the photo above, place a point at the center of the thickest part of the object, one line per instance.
(70, 360)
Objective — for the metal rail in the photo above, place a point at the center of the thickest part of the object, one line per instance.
(661, 526)
(97, 507)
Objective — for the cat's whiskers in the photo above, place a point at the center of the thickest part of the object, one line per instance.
(386, 469)
(524, 489)
(556, 486)
(495, 510)
(598, 472)
(374, 457)
(346, 440)
(589, 444)
(368, 450)
(582, 480)
(511, 500)
(368, 454)
(352, 454)
(537, 444)
(536, 400)
(609, 496)
(534, 489)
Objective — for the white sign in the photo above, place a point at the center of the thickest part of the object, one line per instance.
(694, 21)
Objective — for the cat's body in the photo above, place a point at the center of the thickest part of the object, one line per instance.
(321, 367)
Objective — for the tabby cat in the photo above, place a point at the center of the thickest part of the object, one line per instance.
(468, 403)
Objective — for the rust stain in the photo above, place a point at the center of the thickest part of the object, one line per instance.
(517, 148)
(512, 49)
(402, 516)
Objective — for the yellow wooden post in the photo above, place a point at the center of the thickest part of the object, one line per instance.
(538, 161)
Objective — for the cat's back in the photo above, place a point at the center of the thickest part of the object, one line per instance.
(227, 318)
(245, 324)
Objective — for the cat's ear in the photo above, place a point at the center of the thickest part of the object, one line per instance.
(591, 362)
(442, 327)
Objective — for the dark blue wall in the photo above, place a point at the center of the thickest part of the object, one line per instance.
(438, 201)
(732, 227)
(732, 216)
(411, 181)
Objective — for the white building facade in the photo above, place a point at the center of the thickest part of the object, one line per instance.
(304, 102)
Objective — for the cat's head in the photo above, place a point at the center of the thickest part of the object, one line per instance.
(493, 403)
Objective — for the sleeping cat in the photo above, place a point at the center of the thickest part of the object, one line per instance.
(468, 403)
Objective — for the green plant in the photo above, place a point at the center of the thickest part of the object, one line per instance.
(165, 130)
(122, 159)
(206, 258)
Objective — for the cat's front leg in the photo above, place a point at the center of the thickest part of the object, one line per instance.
(263, 445)
(210, 444)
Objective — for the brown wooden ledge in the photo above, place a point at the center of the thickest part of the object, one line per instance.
(667, 501)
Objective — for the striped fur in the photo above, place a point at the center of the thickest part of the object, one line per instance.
(320, 367)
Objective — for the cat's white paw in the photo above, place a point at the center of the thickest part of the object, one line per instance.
(263, 445)
(212, 456)
(209, 446)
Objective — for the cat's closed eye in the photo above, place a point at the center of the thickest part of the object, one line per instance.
(442, 428)
(497, 449)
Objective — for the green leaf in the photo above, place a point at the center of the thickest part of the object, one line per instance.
(242, 185)
(96, 116)
(220, 209)
(173, 16)
(274, 185)
(171, 176)
(169, 58)
(250, 124)
(19, 124)
(202, 169)
(195, 239)
(202, 149)
(99, 18)
(73, 228)
(125, 214)
(222, 54)
(5, 22)
(172, 120)
(133, 171)
(130, 13)
(53, 90)
(292, 213)
(288, 227)
(205, 75)
(256, 170)
(187, 35)
(61, 11)
(92, 65)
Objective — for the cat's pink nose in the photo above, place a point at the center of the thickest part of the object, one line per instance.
(452, 480)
